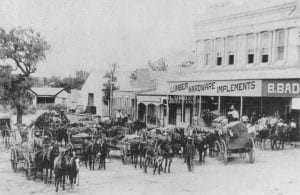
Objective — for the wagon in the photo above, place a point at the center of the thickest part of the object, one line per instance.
(77, 141)
(235, 140)
(127, 145)
(25, 149)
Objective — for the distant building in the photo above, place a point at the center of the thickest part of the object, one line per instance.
(45, 96)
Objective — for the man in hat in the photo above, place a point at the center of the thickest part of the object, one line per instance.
(189, 153)
(233, 114)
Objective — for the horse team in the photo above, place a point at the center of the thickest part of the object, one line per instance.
(64, 164)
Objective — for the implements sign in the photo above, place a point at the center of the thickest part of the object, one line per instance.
(281, 88)
(219, 88)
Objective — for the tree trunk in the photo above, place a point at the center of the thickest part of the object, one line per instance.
(19, 114)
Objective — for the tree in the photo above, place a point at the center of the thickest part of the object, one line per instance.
(24, 49)
(71, 82)
(159, 65)
(16, 90)
(110, 84)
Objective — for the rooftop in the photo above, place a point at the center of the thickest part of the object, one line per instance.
(47, 91)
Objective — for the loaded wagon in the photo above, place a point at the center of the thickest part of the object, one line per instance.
(27, 145)
(235, 140)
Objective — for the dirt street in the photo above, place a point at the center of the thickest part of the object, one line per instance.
(274, 172)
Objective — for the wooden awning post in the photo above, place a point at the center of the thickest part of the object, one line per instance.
(182, 108)
(241, 107)
(200, 106)
(219, 105)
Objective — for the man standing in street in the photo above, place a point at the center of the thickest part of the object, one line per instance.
(189, 152)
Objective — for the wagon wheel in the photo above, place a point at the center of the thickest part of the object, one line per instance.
(225, 152)
(14, 160)
(218, 150)
(251, 151)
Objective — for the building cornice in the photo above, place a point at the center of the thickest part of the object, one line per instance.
(256, 12)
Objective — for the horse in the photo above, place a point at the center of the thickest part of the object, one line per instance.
(72, 169)
(280, 134)
(104, 150)
(151, 157)
(49, 160)
(202, 146)
(92, 150)
(62, 135)
(167, 154)
(60, 170)
(39, 163)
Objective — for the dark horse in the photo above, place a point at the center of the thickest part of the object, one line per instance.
(62, 134)
(60, 170)
(279, 134)
(167, 154)
(201, 145)
(72, 169)
(49, 160)
(91, 152)
(44, 159)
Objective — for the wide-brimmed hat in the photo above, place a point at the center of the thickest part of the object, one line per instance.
(231, 107)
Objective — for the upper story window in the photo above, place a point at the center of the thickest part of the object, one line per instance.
(265, 44)
(219, 51)
(207, 51)
(231, 50)
(251, 45)
(280, 44)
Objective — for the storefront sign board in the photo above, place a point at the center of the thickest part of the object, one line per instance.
(219, 88)
(281, 88)
(176, 99)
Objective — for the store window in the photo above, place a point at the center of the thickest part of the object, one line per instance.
(280, 35)
(219, 61)
(207, 51)
(250, 58)
(231, 59)
(231, 50)
(265, 44)
(219, 50)
(251, 44)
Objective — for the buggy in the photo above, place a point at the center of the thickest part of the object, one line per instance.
(235, 140)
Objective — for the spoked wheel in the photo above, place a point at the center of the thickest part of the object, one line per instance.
(251, 151)
(225, 152)
(217, 150)
(13, 160)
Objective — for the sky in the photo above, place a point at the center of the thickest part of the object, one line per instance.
(91, 34)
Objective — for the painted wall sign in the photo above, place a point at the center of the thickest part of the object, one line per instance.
(222, 88)
(176, 99)
(179, 87)
(281, 88)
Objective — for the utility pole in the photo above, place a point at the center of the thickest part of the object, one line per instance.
(112, 71)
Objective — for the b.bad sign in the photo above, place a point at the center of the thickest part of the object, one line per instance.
(281, 88)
